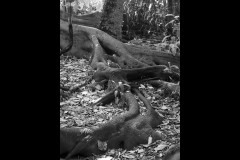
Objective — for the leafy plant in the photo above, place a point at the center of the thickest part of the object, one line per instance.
(141, 18)
(144, 17)
(81, 7)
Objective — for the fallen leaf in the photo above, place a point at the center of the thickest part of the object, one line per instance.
(176, 105)
(131, 152)
(62, 103)
(160, 147)
(164, 107)
(62, 120)
(84, 93)
(63, 125)
(149, 140)
(111, 152)
(105, 158)
(128, 156)
(140, 150)
(86, 99)
(98, 87)
(86, 130)
(115, 93)
(165, 122)
(102, 145)
(102, 107)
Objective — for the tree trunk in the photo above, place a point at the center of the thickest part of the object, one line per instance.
(170, 6)
(90, 41)
(176, 10)
(112, 17)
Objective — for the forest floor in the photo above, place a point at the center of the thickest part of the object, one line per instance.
(75, 109)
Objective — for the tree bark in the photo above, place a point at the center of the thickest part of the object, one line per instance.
(170, 6)
(112, 17)
(173, 153)
(176, 10)
(136, 64)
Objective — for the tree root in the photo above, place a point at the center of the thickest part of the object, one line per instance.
(168, 86)
(125, 131)
(173, 153)
(136, 65)
(133, 75)
(91, 41)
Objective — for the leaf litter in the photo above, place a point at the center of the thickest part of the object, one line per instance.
(76, 111)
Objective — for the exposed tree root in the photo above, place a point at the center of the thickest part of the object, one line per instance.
(172, 87)
(125, 131)
(136, 64)
(134, 75)
(173, 153)
(91, 41)
(108, 98)
(64, 88)
(92, 20)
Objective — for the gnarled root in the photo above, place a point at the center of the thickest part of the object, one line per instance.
(125, 131)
